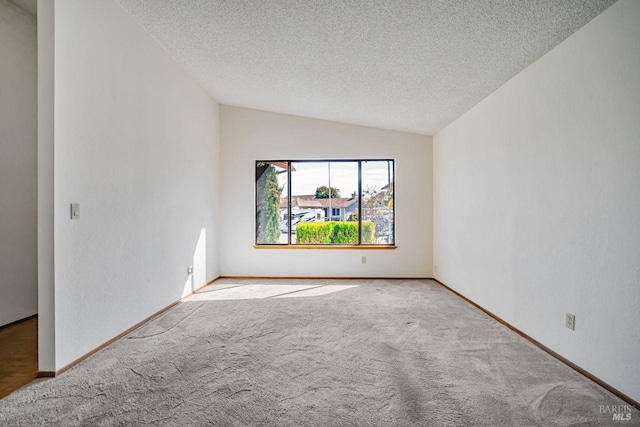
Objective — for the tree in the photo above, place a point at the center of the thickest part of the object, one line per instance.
(323, 192)
(268, 205)
(377, 206)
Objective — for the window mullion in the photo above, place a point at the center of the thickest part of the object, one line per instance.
(359, 202)
(289, 203)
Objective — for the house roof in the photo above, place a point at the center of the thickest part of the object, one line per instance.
(309, 201)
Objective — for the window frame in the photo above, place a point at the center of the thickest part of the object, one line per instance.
(289, 244)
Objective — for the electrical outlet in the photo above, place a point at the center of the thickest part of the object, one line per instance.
(364, 259)
(435, 268)
(571, 321)
(190, 269)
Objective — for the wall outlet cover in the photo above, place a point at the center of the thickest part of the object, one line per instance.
(571, 321)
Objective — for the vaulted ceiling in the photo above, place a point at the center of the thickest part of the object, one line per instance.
(407, 65)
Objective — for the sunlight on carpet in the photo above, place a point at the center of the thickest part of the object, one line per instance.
(260, 291)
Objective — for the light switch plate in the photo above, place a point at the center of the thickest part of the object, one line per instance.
(75, 210)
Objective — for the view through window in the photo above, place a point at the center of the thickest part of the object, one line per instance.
(325, 202)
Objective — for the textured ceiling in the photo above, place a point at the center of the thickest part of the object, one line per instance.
(411, 65)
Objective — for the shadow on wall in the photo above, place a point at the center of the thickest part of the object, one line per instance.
(197, 277)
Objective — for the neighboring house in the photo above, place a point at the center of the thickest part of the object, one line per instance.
(338, 209)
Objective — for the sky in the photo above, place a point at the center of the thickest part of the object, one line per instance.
(344, 176)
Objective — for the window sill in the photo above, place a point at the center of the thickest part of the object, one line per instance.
(323, 247)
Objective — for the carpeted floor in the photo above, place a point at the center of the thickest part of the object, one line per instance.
(318, 353)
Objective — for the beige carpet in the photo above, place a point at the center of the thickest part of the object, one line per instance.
(318, 353)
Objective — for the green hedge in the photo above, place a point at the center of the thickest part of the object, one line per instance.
(313, 233)
(335, 232)
(368, 232)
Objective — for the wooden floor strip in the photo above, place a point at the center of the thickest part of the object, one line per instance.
(18, 355)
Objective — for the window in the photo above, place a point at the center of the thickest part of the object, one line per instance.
(325, 203)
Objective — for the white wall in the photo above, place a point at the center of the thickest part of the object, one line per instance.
(46, 101)
(18, 164)
(249, 135)
(537, 199)
(136, 144)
